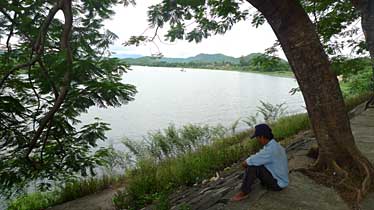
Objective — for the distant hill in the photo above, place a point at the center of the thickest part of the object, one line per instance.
(251, 62)
(203, 58)
(199, 59)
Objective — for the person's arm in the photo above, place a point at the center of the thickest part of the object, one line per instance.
(261, 158)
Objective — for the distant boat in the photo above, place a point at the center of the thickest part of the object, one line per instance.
(183, 70)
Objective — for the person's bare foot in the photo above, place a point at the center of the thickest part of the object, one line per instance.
(239, 196)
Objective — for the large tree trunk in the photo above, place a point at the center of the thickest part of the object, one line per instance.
(338, 153)
(366, 9)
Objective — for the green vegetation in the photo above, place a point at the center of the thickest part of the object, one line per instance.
(34, 201)
(356, 74)
(72, 190)
(255, 62)
(45, 88)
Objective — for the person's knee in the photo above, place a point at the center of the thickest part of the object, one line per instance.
(252, 167)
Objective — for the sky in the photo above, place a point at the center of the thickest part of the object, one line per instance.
(243, 38)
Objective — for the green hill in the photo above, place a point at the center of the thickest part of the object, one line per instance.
(251, 62)
(200, 58)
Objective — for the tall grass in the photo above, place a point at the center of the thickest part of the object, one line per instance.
(70, 191)
(352, 101)
(34, 201)
(172, 142)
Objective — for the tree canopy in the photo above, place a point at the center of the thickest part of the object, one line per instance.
(54, 66)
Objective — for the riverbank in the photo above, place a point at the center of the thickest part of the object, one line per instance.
(302, 193)
(214, 193)
(287, 74)
(150, 182)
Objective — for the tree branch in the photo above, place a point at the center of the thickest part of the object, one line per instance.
(45, 139)
(20, 66)
(10, 34)
(39, 44)
(13, 21)
(46, 75)
(37, 97)
(67, 10)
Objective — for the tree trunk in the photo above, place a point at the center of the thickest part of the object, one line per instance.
(366, 9)
(338, 153)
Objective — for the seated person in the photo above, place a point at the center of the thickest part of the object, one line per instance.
(270, 164)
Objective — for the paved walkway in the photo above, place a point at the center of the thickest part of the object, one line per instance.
(302, 193)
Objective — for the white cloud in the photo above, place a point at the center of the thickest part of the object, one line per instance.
(242, 39)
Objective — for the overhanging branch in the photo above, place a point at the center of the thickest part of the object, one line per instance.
(67, 10)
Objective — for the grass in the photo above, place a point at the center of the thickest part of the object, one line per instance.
(72, 190)
(152, 179)
(34, 201)
(352, 101)
(289, 74)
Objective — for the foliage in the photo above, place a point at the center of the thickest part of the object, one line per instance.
(35, 201)
(272, 112)
(356, 74)
(81, 187)
(53, 69)
(269, 113)
(268, 63)
(234, 125)
(172, 142)
(336, 24)
(70, 191)
(360, 83)
(349, 66)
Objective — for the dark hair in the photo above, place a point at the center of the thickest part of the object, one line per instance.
(269, 136)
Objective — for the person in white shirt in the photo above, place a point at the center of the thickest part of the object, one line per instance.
(270, 164)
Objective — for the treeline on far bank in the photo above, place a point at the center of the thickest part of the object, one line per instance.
(253, 62)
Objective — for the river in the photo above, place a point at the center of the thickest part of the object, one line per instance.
(198, 96)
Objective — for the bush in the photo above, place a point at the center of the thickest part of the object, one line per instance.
(34, 201)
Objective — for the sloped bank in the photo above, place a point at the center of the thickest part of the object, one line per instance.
(153, 183)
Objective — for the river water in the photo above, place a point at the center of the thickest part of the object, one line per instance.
(197, 96)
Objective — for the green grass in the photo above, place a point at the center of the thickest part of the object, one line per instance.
(353, 101)
(34, 201)
(71, 191)
(277, 73)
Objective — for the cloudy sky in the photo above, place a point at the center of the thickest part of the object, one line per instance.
(243, 39)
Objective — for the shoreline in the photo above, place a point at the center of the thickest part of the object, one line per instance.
(283, 74)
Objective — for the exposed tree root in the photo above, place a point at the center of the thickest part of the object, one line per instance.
(367, 180)
(340, 171)
(370, 102)
(352, 184)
